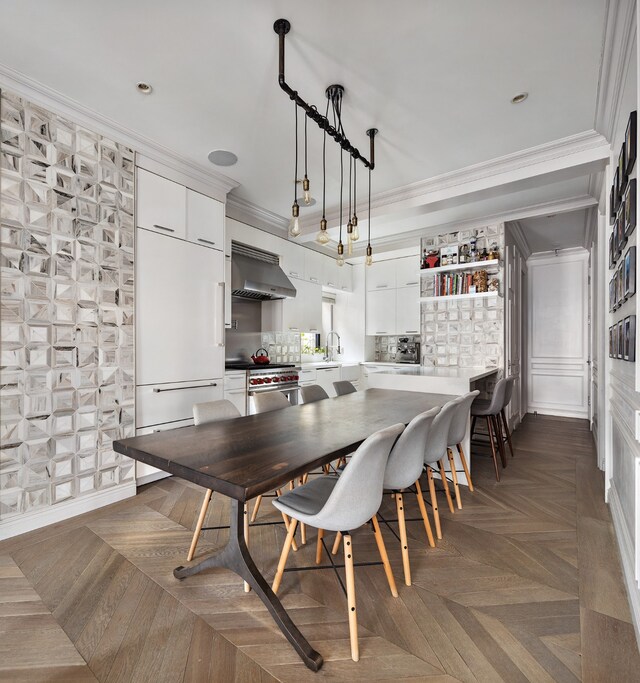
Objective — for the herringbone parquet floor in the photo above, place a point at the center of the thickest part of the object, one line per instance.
(525, 586)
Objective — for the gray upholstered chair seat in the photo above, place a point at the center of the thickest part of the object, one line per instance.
(481, 407)
(308, 499)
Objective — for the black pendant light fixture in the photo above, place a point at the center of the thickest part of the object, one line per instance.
(335, 129)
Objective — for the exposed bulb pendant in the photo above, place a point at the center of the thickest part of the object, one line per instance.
(355, 236)
(305, 181)
(294, 224)
(340, 259)
(322, 237)
(369, 259)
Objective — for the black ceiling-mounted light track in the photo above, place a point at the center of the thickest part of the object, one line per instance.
(334, 95)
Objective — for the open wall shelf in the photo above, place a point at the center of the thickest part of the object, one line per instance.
(491, 264)
(450, 297)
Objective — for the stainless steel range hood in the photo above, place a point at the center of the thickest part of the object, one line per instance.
(256, 274)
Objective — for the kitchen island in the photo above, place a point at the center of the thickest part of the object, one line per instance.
(441, 380)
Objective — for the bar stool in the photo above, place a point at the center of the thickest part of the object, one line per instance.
(211, 411)
(313, 393)
(343, 387)
(507, 399)
(342, 504)
(457, 431)
(404, 467)
(490, 410)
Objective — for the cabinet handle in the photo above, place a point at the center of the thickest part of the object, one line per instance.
(162, 227)
(411, 283)
(201, 239)
(157, 390)
(382, 332)
(295, 329)
(313, 279)
(292, 272)
(411, 331)
(381, 286)
(221, 286)
(331, 284)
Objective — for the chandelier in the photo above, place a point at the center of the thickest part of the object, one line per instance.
(331, 124)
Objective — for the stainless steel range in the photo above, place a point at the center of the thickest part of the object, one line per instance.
(269, 377)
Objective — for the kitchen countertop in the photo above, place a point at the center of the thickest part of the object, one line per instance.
(466, 374)
(328, 364)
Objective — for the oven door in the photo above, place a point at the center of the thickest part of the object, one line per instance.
(291, 392)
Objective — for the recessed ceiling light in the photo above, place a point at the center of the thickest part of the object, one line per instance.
(144, 88)
(221, 157)
(520, 97)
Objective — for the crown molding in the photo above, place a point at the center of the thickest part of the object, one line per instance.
(582, 148)
(246, 212)
(571, 254)
(207, 180)
(617, 52)
(520, 238)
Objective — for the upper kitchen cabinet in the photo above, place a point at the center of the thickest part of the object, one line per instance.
(381, 275)
(339, 278)
(381, 312)
(292, 260)
(161, 205)
(407, 272)
(205, 220)
(345, 277)
(313, 265)
(408, 310)
(300, 314)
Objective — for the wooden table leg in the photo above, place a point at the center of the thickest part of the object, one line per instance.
(236, 557)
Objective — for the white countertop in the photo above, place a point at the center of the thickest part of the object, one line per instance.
(328, 364)
(466, 374)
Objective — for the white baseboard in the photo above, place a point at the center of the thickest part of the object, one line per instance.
(558, 412)
(627, 555)
(154, 476)
(21, 524)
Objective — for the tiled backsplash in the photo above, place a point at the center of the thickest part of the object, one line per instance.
(386, 347)
(283, 347)
(67, 387)
(464, 332)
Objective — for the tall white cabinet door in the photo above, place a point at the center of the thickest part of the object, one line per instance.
(179, 311)
(161, 204)
(205, 220)
(408, 310)
(381, 312)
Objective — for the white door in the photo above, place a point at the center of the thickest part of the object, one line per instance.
(513, 330)
(179, 310)
(558, 372)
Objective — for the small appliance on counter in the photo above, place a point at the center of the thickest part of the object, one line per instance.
(407, 351)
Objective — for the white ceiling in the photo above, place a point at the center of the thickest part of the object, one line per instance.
(559, 231)
(435, 77)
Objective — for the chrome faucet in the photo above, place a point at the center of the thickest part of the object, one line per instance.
(330, 348)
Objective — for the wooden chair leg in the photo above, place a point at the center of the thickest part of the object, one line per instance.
(283, 556)
(497, 430)
(199, 524)
(351, 596)
(336, 543)
(493, 449)
(425, 517)
(445, 485)
(463, 460)
(303, 533)
(404, 543)
(508, 432)
(384, 557)
(287, 524)
(434, 503)
(247, 587)
(454, 476)
(319, 546)
(256, 507)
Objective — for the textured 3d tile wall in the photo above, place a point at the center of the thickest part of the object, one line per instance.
(67, 256)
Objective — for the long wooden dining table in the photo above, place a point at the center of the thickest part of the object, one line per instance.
(244, 457)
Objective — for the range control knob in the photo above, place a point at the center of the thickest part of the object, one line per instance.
(267, 380)
(296, 377)
(276, 379)
(253, 381)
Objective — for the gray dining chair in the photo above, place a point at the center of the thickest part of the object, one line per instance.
(343, 504)
(508, 392)
(457, 432)
(490, 411)
(211, 411)
(435, 451)
(270, 400)
(404, 467)
(313, 393)
(343, 387)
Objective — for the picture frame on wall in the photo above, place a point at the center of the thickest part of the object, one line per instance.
(630, 208)
(612, 205)
(630, 142)
(614, 341)
(621, 339)
(611, 295)
(622, 238)
(626, 325)
(615, 242)
(622, 171)
(612, 260)
(610, 341)
(616, 191)
(615, 290)
(630, 272)
(630, 338)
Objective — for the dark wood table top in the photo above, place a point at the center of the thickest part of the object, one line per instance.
(247, 456)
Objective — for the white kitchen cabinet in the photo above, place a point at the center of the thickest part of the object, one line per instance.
(380, 312)
(161, 205)
(235, 389)
(331, 276)
(292, 260)
(205, 220)
(345, 275)
(326, 377)
(381, 275)
(300, 314)
(313, 266)
(227, 291)
(307, 376)
(407, 271)
(162, 403)
(179, 310)
(408, 310)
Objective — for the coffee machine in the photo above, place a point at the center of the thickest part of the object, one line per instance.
(407, 351)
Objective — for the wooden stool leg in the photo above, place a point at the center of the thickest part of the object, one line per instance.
(336, 543)
(319, 546)
(425, 517)
(384, 557)
(454, 476)
(256, 507)
(445, 485)
(283, 556)
(464, 466)
(351, 596)
(404, 543)
(497, 430)
(434, 503)
(493, 449)
(199, 524)
(247, 587)
(506, 429)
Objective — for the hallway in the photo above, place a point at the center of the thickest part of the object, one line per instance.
(525, 586)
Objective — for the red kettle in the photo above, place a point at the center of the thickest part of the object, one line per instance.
(261, 358)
